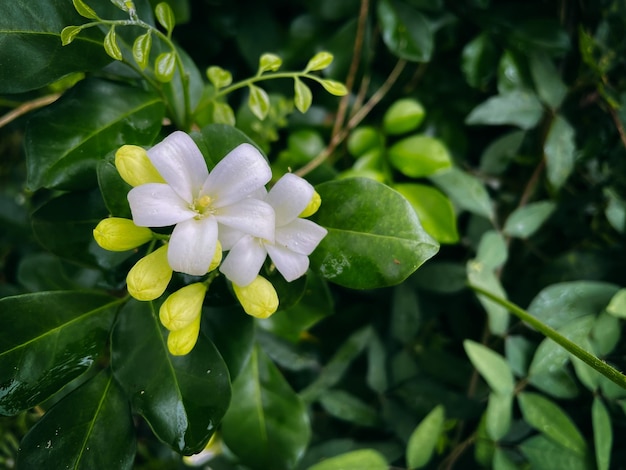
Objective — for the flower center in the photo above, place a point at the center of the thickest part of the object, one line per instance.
(202, 206)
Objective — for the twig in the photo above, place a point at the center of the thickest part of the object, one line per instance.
(28, 107)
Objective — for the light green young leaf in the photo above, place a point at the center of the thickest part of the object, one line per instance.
(319, 61)
(84, 10)
(334, 87)
(362, 459)
(69, 33)
(223, 113)
(165, 16)
(303, 97)
(270, 62)
(219, 77)
(404, 115)
(165, 66)
(423, 440)
(491, 366)
(559, 149)
(525, 221)
(141, 49)
(258, 101)
(110, 44)
(602, 433)
(419, 155)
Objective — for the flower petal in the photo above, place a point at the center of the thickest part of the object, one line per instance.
(291, 265)
(180, 162)
(244, 261)
(239, 174)
(228, 236)
(192, 246)
(251, 216)
(301, 236)
(289, 197)
(157, 205)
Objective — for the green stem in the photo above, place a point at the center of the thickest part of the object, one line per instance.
(268, 76)
(588, 358)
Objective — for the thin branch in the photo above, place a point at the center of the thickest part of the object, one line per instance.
(28, 107)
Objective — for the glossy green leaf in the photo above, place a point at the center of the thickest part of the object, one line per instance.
(602, 433)
(141, 49)
(404, 115)
(419, 155)
(549, 419)
(434, 209)
(165, 16)
(30, 33)
(406, 32)
(183, 398)
(258, 101)
(441, 276)
(374, 236)
(517, 108)
(491, 366)
(84, 10)
(363, 459)
(92, 427)
(499, 414)
(465, 190)
(424, 438)
(165, 67)
(110, 45)
(113, 188)
(347, 407)
(69, 33)
(548, 83)
(478, 60)
(559, 304)
(215, 141)
(492, 250)
(269, 426)
(512, 73)
(65, 140)
(543, 453)
(302, 95)
(526, 220)
(560, 151)
(39, 272)
(501, 152)
(48, 339)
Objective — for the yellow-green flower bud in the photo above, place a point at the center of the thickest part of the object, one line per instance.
(217, 257)
(181, 342)
(182, 307)
(117, 234)
(135, 167)
(259, 298)
(149, 278)
(314, 205)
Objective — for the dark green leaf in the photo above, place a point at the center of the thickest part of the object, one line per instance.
(559, 149)
(114, 189)
(376, 365)
(545, 454)
(526, 220)
(517, 108)
(441, 276)
(269, 426)
(465, 190)
(602, 433)
(183, 398)
(423, 440)
(216, 140)
(90, 428)
(45, 272)
(479, 60)
(543, 34)
(405, 313)
(374, 236)
(48, 339)
(347, 407)
(64, 141)
(365, 459)
(548, 83)
(30, 34)
(501, 152)
(406, 32)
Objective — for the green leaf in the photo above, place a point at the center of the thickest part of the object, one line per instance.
(543, 453)
(559, 149)
(492, 250)
(615, 211)
(215, 141)
(219, 77)
(258, 101)
(65, 140)
(541, 34)
(110, 45)
(478, 60)
(183, 398)
(92, 427)
(114, 189)
(617, 305)
(41, 271)
(406, 32)
(483, 276)
(518, 350)
(549, 419)
(69, 33)
(303, 97)
(30, 33)
(141, 49)
(405, 313)
(559, 304)
(363, 139)
(434, 210)
(526, 220)
(319, 61)
(499, 414)
(84, 10)
(602, 433)
(269, 426)
(347, 407)
(269, 62)
(365, 459)
(377, 364)
(165, 66)
(465, 190)
(419, 155)
(334, 87)
(404, 115)
(374, 236)
(165, 16)
(517, 108)
(501, 152)
(548, 83)
(48, 339)
(491, 366)
(423, 440)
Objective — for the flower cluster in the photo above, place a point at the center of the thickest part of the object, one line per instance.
(225, 210)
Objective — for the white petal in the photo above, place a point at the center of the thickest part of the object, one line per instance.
(181, 164)
(301, 236)
(244, 261)
(157, 205)
(240, 173)
(192, 246)
(251, 216)
(289, 197)
(228, 236)
(291, 265)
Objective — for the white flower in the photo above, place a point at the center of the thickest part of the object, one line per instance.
(294, 240)
(195, 201)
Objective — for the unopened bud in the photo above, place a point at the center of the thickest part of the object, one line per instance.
(149, 277)
(182, 307)
(217, 257)
(117, 234)
(135, 167)
(313, 206)
(259, 298)
(181, 342)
